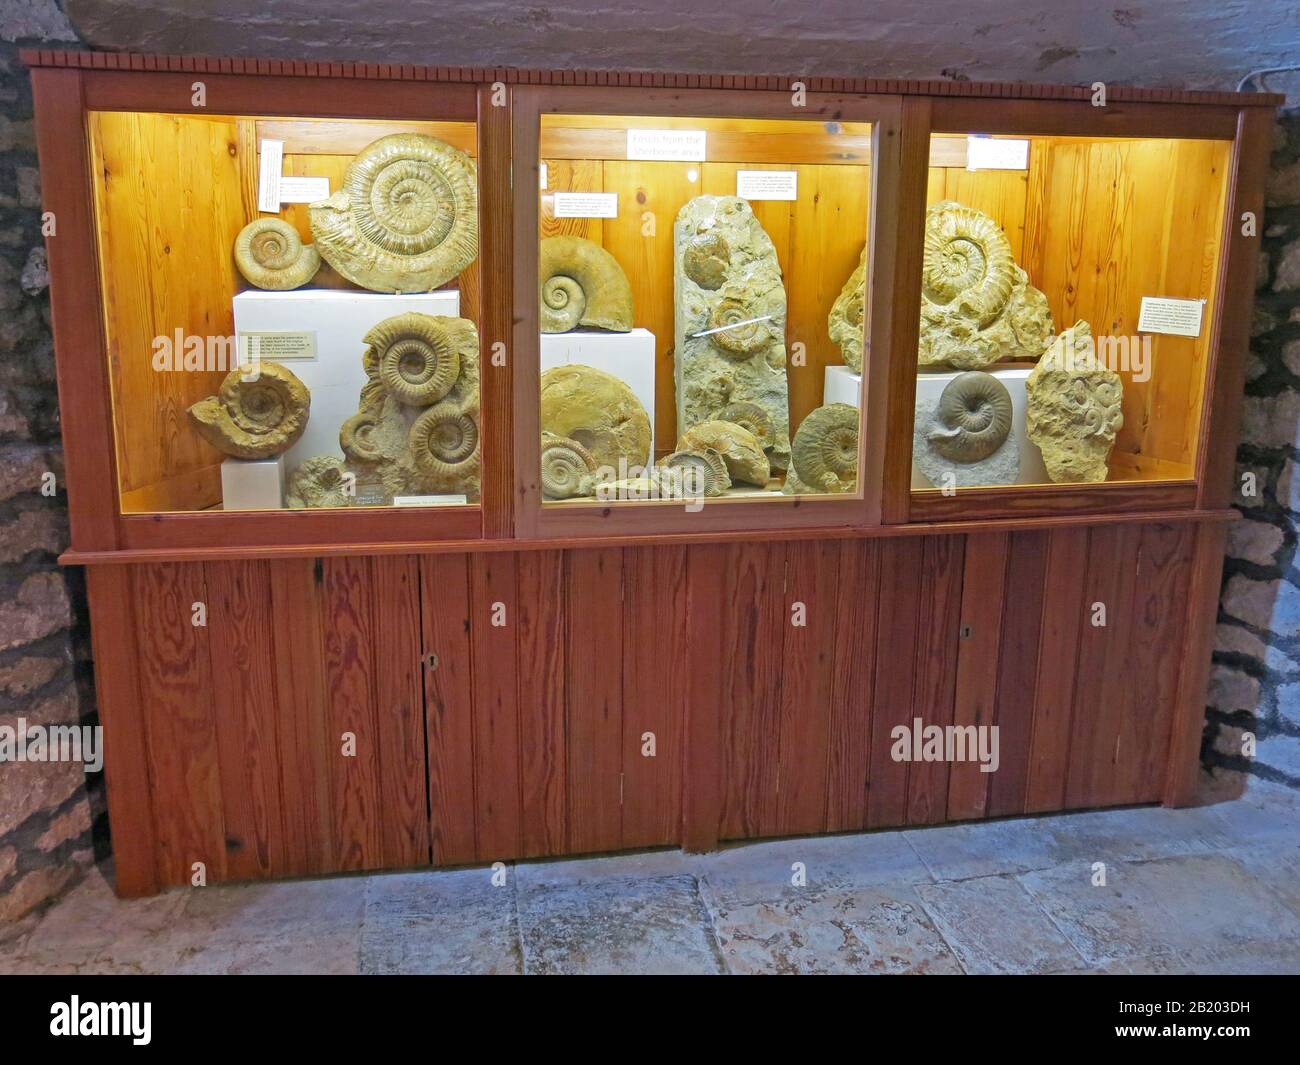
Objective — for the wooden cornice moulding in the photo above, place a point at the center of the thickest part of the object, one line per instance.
(198, 64)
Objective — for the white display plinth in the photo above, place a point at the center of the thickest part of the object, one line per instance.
(252, 484)
(337, 320)
(844, 386)
(628, 356)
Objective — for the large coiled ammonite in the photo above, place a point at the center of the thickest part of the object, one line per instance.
(406, 218)
(271, 255)
(752, 417)
(701, 471)
(973, 417)
(444, 442)
(968, 262)
(260, 410)
(825, 449)
(582, 284)
(567, 468)
(418, 356)
(739, 332)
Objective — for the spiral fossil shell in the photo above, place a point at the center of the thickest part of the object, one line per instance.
(270, 254)
(597, 410)
(974, 417)
(706, 260)
(260, 410)
(738, 333)
(752, 417)
(418, 356)
(741, 452)
(567, 468)
(358, 436)
(825, 449)
(406, 218)
(967, 258)
(705, 466)
(444, 442)
(582, 284)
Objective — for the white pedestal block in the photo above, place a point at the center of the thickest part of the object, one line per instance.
(252, 484)
(842, 386)
(335, 321)
(628, 356)
(930, 386)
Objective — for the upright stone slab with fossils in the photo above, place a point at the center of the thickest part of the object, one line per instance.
(729, 323)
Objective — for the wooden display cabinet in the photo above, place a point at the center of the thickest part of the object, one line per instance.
(499, 668)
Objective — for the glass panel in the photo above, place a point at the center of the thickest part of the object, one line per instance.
(1067, 298)
(290, 310)
(701, 289)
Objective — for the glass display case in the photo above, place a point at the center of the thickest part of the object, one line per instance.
(291, 310)
(1068, 295)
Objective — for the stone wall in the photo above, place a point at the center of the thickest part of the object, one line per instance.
(45, 808)
(1255, 683)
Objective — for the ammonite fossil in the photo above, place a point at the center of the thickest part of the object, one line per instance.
(967, 258)
(260, 410)
(567, 468)
(825, 449)
(845, 323)
(418, 356)
(406, 218)
(706, 260)
(752, 417)
(703, 471)
(973, 417)
(582, 284)
(322, 481)
(358, 436)
(740, 451)
(740, 332)
(271, 255)
(598, 411)
(444, 443)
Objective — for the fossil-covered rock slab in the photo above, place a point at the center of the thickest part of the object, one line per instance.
(600, 412)
(1073, 408)
(824, 458)
(965, 437)
(406, 218)
(415, 431)
(320, 482)
(740, 450)
(582, 284)
(845, 323)
(977, 305)
(260, 410)
(729, 328)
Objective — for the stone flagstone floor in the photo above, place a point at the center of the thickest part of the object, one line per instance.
(1208, 890)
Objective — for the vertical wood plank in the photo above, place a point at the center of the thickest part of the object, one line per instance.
(656, 678)
(496, 720)
(702, 766)
(449, 707)
(594, 701)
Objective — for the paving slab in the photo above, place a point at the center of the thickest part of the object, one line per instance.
(668, 862)
(456, 922)
(869, 931)
(658, 926)
(994, 926)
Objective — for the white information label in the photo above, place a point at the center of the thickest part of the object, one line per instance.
(1160, 314)
(989, 153)
(268, 176)
(543, 172)
(585, 205)
(304, 189)
(767, 184)
(667, 145)
(428, 501)
(277, 346)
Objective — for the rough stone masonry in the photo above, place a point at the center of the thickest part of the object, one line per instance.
(46, 809)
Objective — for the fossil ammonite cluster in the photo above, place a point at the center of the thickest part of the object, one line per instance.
(271, 255)
(260, 410)
(973, 417)
(582, 284)
(824, 453)
(406, 218)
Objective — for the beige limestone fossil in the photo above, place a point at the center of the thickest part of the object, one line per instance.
(260, 410)
(568, 468)
(730, 312)
(582, 284)
(701, 470)
(824, 456)
(1073, 408)
(320, 482)
(741, 452)
(600, 412)
(977, 305)
(270, 254)
(845, 323)
(406, 218)
(973, 417)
